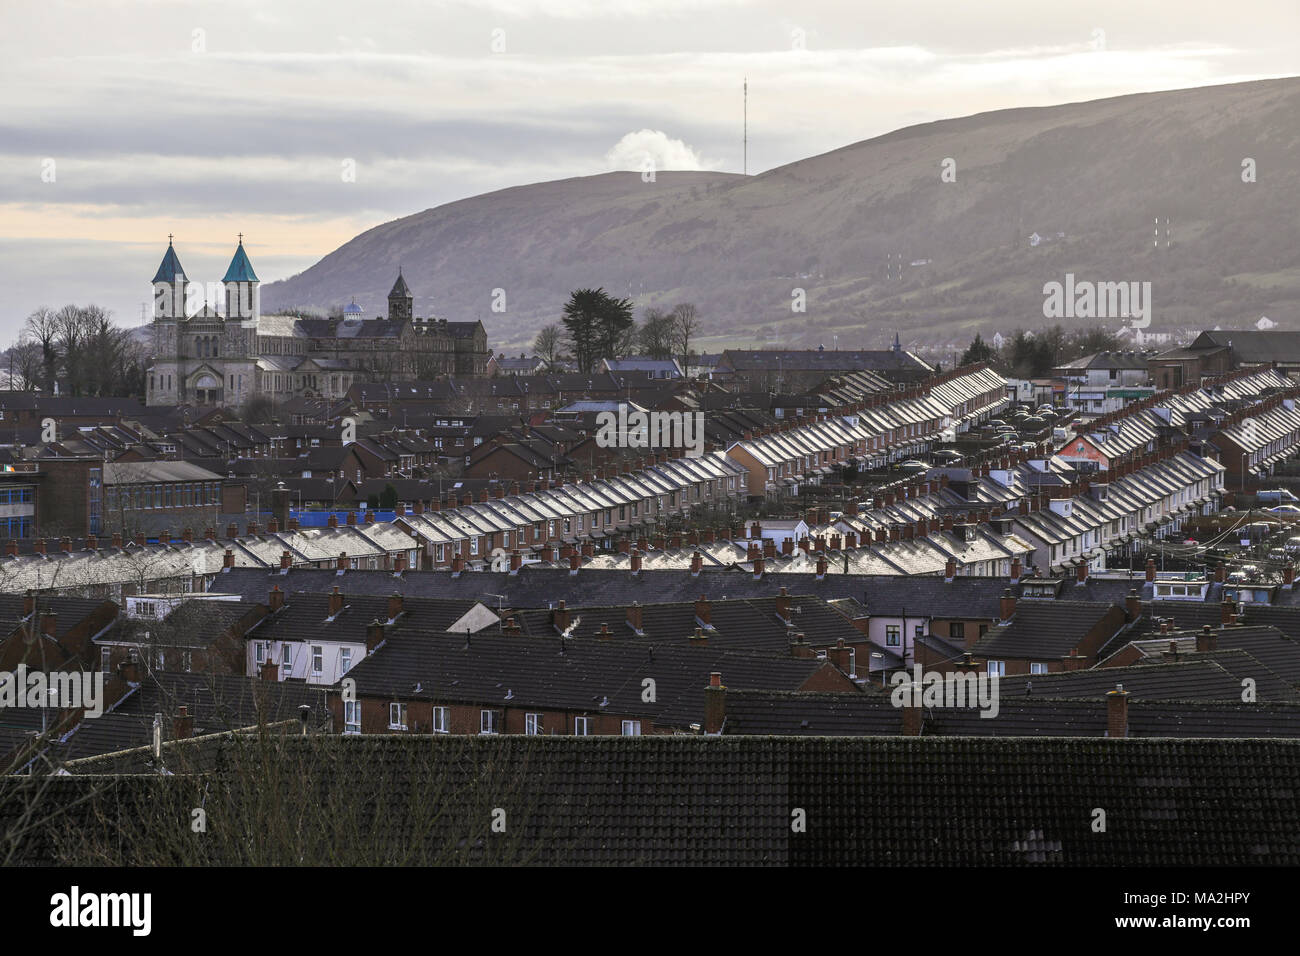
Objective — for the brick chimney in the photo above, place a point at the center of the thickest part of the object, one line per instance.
(1227, 611)
(699, 638)
(1016, 569)
(140, 540)
(336, 602)
(634, 617)
(253, 529)
(342, 561)
(821, 566)
(574, 562)
(604, 634)
(839, 655)
(697, 564)
(560, 617)
(758, 567)
(1132, 606)
(636, 561)
(703, 610)
(182, 724)
(949, 570)
(457, 564)
(912, 713)
(117, 540)
(395, 605)
(783, 605)
(286, 560)
(232, 530)
(1117, 712)
(715, 704)
(1206, 641)
(276, 599)
(1007, 605)
(1151, 569)
(769, 548)
(269, 670)
(374, 635)
(229, 560)
(11, 548)
(332, 521)
(1081, 573)
(272, 527)
(516, 561)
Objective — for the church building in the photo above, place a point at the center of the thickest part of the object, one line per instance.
(206, 357)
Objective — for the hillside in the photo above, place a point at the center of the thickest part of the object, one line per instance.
(848, 225)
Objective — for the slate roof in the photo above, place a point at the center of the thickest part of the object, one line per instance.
(555, 673)
(1188, 680)
(1049, 629)
(721, 801)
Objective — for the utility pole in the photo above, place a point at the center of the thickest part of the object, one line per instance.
(745, 133)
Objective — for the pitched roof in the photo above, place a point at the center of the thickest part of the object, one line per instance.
(241, 270)
(717, 801)
(170, 267)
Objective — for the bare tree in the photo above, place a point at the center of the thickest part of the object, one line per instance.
(547, 344)
(25, 365)
(42, 329)
(657, 335)
(686, 324)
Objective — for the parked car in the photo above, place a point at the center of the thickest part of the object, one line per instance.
(914, 466)
(1284, 510)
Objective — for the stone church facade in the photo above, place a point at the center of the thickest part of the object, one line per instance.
(206, 357)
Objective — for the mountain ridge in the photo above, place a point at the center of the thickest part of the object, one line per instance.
(874, 237)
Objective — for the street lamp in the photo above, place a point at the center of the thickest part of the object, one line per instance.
(1243, 472)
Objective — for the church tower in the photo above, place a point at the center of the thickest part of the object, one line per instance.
(243, 297)
(169, 287)
(401, 304)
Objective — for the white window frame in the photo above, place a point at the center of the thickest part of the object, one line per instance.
(487, 721)
(317, 660)
(352, 716)
(631, 728)
(582, 726)
(439, 720)
(533, 725)
(396, 715)
(1037, 668)
(997, 667)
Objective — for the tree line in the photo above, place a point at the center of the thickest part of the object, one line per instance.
(1035, 354)
(81, 350)
(595, 325)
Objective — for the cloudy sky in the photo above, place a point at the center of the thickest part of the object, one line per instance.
(301, 124)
